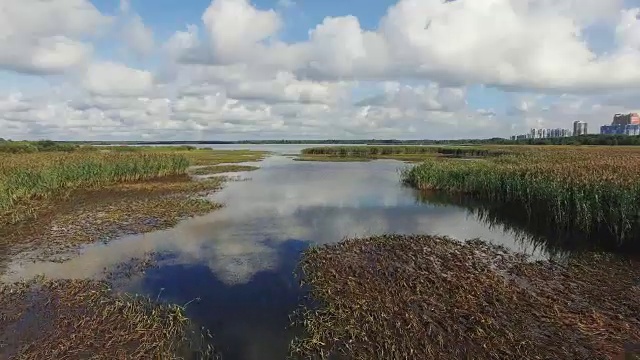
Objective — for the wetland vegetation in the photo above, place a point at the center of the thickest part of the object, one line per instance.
(589, 189)
(426, 297)
(53, 201)
(402, 153)
(387, 296)
(77, 319)
(219, 169)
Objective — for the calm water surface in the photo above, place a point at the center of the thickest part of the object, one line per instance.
(239, 261)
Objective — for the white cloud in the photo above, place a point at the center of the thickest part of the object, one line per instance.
(113, 79)
(426, 98)
(138, 37)
(231, 74)
(45, 36)
(235, 27)
(628, 30)
(44, 55)
(510, 43)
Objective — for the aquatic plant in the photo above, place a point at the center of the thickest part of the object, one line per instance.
(41, 175)
(590, 189)
(382, 151)
(217, 169)
(86, 319)
(425, 297)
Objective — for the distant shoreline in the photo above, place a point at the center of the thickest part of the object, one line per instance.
(591, 139)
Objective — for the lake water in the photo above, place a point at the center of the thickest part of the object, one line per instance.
(238, 262)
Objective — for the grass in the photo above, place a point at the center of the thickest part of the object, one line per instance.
(32, 177)
(394, 152)
(218, 169)
(29, 178)
(217, 157)
(56, 319)
(591, 189)
(330, 158)
(425, 297)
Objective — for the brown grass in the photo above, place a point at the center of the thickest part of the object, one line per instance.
(78, 319)
(422, 297)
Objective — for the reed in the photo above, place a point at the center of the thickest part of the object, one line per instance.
(382, 151)
(78, 319)
(28, 177)
(427, 297)
(591, 189)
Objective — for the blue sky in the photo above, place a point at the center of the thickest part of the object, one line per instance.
(236, 69)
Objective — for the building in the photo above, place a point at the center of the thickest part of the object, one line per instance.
(544, 134)
(580, 128)
(626, 119)
(615, 129)
(622, 124)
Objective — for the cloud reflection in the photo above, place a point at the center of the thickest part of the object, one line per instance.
(317, 203)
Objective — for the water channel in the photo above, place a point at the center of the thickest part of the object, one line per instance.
(235, 266)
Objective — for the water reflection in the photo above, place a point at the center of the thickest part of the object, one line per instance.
(240, 260)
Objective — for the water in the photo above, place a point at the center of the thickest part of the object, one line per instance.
(237, 263)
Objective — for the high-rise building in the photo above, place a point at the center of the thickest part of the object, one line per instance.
(623, 124)
(579, 128)
(621, 119)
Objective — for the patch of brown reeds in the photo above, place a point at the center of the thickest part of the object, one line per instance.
(77, 319)
(425, 297)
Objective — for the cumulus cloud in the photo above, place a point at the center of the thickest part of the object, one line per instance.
(430, 98)
(510, 43)
(138, 37)
(230, 73)
(113, 79)
(234, 27)
(44, 37)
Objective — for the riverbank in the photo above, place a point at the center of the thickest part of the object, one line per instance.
(429, 297)
(591, 189)
(401, 153)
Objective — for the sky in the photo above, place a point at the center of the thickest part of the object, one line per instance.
(311, 69)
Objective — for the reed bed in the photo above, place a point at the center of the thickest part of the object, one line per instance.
(31, 177)
(590, 189)
(77, 319)
(218, 169)
(28, 178)
(425, 297)
(382, 151)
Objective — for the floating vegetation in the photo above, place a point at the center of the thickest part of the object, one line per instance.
(218, 169)
(424, 297)
(591, 189)
(45, 319)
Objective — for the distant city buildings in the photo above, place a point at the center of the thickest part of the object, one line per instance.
(622, 124)
(543, 134)
(580, 128)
